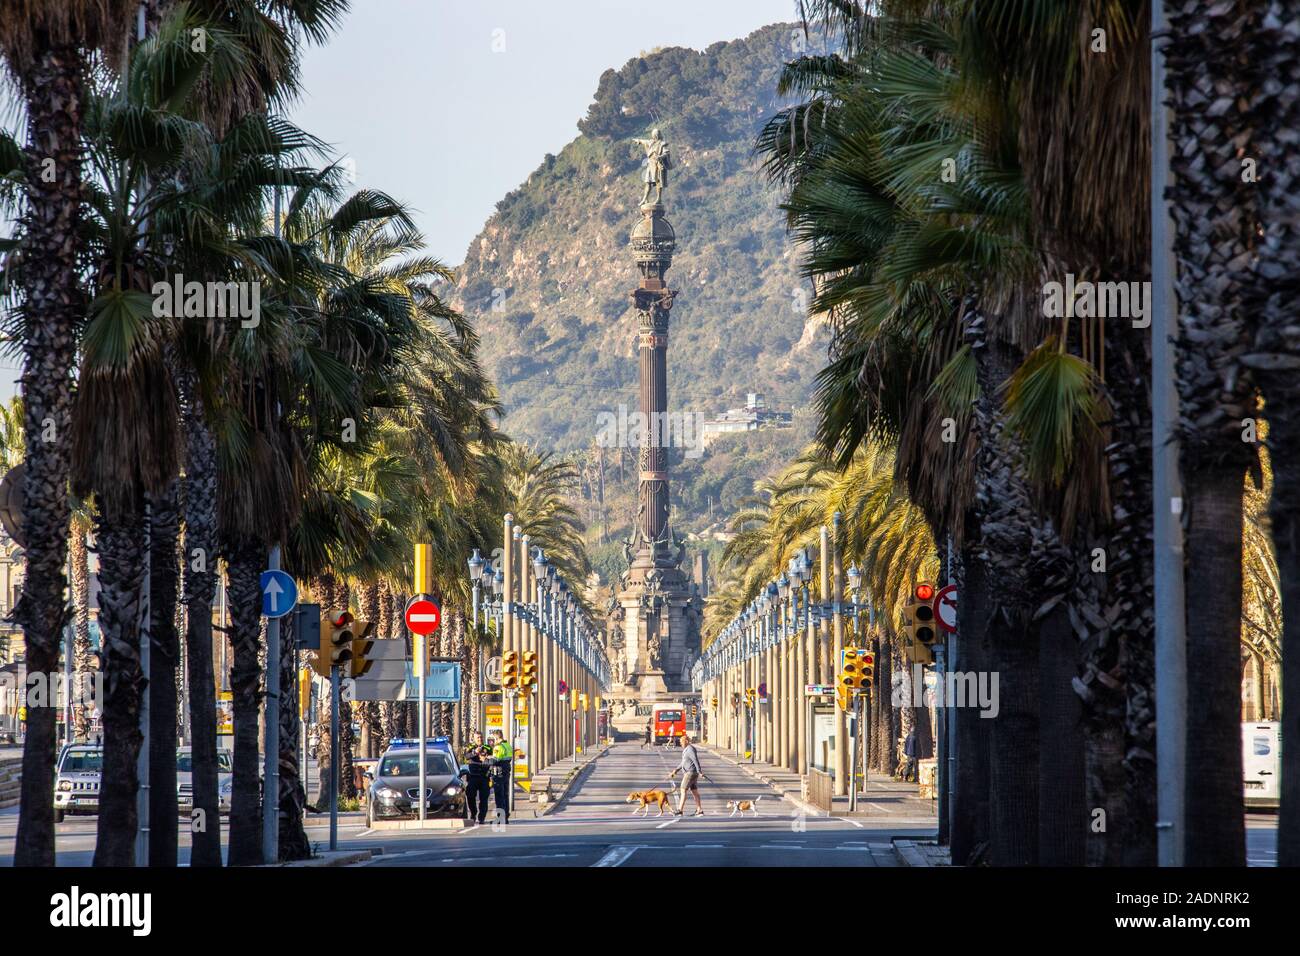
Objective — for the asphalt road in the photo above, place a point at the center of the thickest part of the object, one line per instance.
(594, 826)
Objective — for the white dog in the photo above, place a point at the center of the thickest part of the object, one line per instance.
(740, 806)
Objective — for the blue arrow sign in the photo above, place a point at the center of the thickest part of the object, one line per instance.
(279, 593)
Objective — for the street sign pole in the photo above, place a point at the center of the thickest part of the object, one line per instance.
(335, 704)
(271, 771)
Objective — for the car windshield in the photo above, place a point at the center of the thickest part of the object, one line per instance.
(83, 761)
(668, 716)
(408, 765)
(185, 762)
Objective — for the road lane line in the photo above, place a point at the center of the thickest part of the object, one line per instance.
(847, 820)
(616, 856)
(667, 823)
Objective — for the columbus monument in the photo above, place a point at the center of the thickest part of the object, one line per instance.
(655, 618)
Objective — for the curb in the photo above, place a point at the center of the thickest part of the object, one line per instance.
(337, 858)
(910, 852)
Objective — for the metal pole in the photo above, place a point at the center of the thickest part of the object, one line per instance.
(423, 583)
(335, 703)
(1166, 487)
(271, 764)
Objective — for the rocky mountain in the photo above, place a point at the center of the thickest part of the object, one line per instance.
(547, 280)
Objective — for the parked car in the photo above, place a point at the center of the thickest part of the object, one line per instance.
(185, 785)
(76, 782)
(395, 790)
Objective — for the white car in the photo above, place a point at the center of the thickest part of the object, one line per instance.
(76, 782)
(185, 785)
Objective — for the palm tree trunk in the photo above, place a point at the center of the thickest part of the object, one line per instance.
(1061, 808)
(199, 491)
(293, 843)
(78, 558)
(1215, 823)
(164, 650)
(244, 560)
(52, 292)
(122, 545)
(970, 825)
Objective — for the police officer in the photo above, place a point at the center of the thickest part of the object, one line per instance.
(476, 783)
(503, 758)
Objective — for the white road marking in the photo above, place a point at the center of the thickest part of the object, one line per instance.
(616, 856)
(667, 823)
(877, 806)
(847, 820)
(704, 846)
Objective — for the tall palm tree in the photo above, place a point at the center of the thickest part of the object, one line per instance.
(46, 46)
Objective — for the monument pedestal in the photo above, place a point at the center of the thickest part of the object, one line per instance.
(651, 685)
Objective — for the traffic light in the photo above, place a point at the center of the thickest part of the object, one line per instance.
(573, 699)
(868, 662)
(362, 644)
(735, 700)
(751, 696)
(528, 672)
(336, 646)
(844, 697)
(918, 615)
(584, 700)
(853, 673)
(510, 670)
(715, 702)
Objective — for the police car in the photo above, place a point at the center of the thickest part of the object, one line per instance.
(394, 793)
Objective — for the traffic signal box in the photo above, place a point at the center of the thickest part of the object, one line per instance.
(920, 631)
(336, 643)
(362, 644)
(573, 700)
(715, 702)
(857, 672)
(510, 670)
(528, 672)
(751, 697)
(304, 692)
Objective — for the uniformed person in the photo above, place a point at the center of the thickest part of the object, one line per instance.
(503, 759)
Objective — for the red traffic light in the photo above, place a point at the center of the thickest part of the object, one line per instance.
(925, 592)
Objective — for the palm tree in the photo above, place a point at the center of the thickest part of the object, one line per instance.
(1216, 218)
(45, 46)
(1274, 353)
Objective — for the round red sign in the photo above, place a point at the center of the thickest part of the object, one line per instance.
(422, 615)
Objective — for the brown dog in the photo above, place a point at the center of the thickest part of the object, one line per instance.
(743, 806)
(648, 798)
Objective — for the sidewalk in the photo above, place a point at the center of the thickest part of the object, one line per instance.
(883, 795)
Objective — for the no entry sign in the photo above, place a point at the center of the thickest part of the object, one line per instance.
(422, 615)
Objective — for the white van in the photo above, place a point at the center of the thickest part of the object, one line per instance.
(1261, 762)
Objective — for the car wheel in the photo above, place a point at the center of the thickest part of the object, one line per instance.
(58, 816)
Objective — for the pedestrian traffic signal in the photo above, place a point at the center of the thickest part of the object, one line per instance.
(510, 670)
(528, 671)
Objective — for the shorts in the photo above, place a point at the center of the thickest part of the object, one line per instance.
(691, 781)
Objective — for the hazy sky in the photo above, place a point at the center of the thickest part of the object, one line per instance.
(447, 105)
(450, 104)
